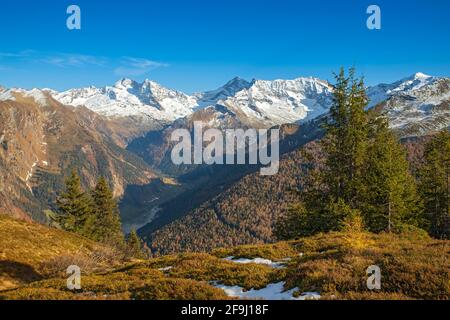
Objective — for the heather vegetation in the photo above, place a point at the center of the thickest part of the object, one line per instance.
(414, 266)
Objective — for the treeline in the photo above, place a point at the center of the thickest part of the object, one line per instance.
(95, 215)
(365, 179)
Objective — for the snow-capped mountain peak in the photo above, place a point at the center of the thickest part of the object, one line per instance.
(211, 98)
(126, 83)
(268, 103)
(414, 82)
(415, 105)
(261, 103)
(405, 86)
(147, 100)
(421, 75)
(38, 95)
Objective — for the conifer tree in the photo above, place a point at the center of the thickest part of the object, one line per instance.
(434, 177)
(365, 177)
(75, 206)
(389, 191)
(134, 245)
(346, 140)
(105, 224)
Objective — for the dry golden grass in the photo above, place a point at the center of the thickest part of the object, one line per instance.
(335, 264)
(276, 251)
(29, 251)
(118, 287)
(413, 266)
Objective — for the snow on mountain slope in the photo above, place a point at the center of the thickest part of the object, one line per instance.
(281, 101)
(414, 82)
(210, 98)
(39, 96)
(129, 98)
(382, 92)
(423, 106)
(268, 102)
(259, 103)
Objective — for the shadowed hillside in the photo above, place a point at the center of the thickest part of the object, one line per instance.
(29, 250)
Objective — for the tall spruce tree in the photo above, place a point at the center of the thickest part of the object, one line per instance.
(75, 206)
(365, 176)
(105, 224)
(389, 191)
(434, 177)
(346, 138)
(336, 134)
(333, 193)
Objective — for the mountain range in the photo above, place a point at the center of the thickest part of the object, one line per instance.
(259, 103)
(122, 132)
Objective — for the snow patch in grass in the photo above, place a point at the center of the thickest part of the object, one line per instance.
(274, 291)
(267, 262)
(165, 269)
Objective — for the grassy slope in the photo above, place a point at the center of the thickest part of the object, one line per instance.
(413, 267)
(25, 247)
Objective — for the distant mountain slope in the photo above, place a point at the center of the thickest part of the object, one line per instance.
(42, 140)
(198, 184)
(244, 212)
(259, 103)
(269, 103)
(231, 88)
(416, 105)
(129, 98)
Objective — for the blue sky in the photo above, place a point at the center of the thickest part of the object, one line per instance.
(195, 45)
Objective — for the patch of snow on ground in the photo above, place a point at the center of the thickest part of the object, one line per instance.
(274, 291)
(30, 175)
(165, 269)
(267, 262)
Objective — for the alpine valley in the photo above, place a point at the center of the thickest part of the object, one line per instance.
(209, 231)
(123, 132)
